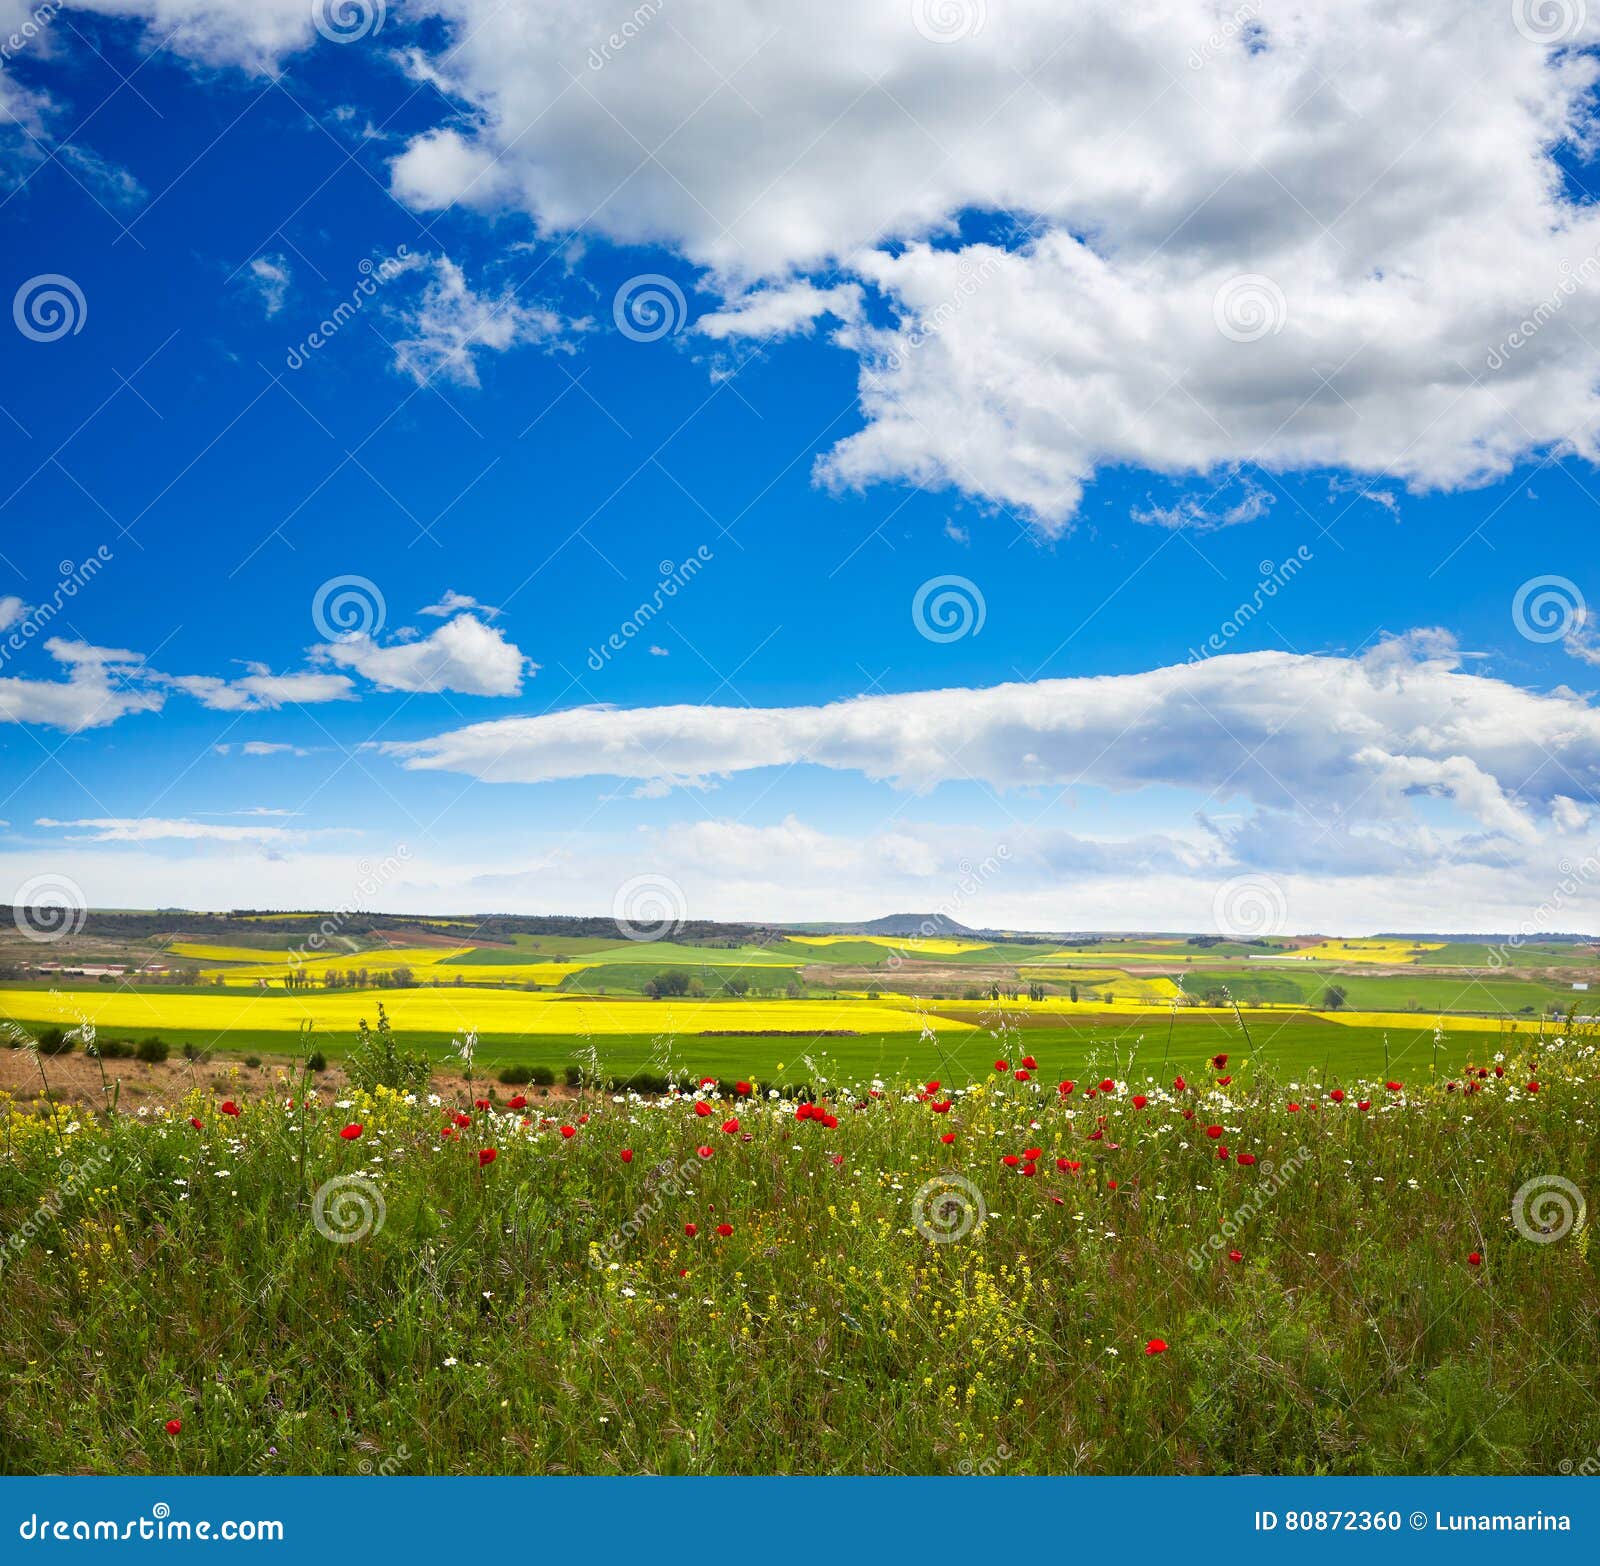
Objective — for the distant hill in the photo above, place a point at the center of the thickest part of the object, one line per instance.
(899, 924)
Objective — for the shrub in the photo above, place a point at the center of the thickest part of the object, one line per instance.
(113, 1049)
(252, 1061)
(542, 1076)
(377, 1061)
(54, 1041)
(574, 1076)
(152, 1050)
(316, 1061)
(516, 1076)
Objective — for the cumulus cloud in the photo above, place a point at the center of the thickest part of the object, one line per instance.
(261, 748)
(102, 685)
(12, 609)
(1315, 245)
(782, 312)
(464, 655)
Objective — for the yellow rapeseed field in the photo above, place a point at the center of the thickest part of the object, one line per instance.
(1367, 951)
(448, 1011)
(934, 946)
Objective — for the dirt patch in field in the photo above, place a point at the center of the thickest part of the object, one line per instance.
(75, 1079)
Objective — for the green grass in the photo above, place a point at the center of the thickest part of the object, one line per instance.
(1427, 992)
(1295, 1046)
(547, 1313)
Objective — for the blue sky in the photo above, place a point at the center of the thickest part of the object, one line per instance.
(1073, 426)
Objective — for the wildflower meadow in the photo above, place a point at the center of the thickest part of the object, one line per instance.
(1124, 1270)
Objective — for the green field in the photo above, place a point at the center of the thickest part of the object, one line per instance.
(1427, 992)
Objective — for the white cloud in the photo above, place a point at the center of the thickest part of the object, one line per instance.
(12, 609)
(102, 685)
(268, 278)
(451, 324)
(152, 829)
(110, 182)
(261, 748)
(452, 602)
(782, 312)
(1390, 176)
(1339, 743)
(463, 655)
(262, 691)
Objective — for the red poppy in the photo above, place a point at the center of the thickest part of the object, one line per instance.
(1108, 1086)
(805, 1111)
(708, 1082)
(351, 1132)
(569, 1131)
(1499, 1071)
(1247, 1159)
(1066, 1088)
(702, 1108)
(486, 1156)
(448, 1131)
(948, 1138)
(742, 1089)
(1156, 1346)
(830, 1121)
(1062, 1165)
(1032, 1154)
(583, 1120)
(1073, 1165)
(1222, 1151)
(517, 1101)
(1393, 1087)
(174, 1426)
(1533, 1087)
(1236, 1256)
(691, 1230)
(1474, 1258)
(461, 1118)
(1139, 1100)
(196, 1123)
(731, 1126)
(1294, 1109)
(1010, 1160)
(933, 1087)
(1179, 1084)
(1223, 1081)
(229, 1107)
(626, 1155)
(941, 1108)
(704, 1152)
(837, 1160)
(1365, 1104)
(480, 1103)
(1219, 1061)
(1030, 1169)
(1213, 1132)
(1030, 1062)
(724, 1229)
(1111, 1185)
(1022, 1076)
(1337, 1095)
(1001, 1065)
